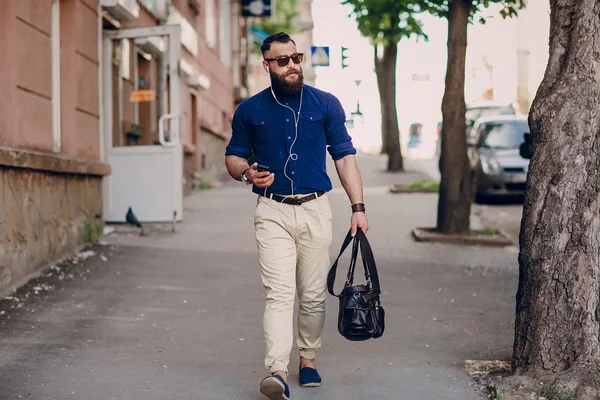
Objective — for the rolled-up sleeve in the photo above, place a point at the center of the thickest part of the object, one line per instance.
(240, 143)
(339, 141)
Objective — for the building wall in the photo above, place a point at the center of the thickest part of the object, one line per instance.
(26, 103)
(214, 106)
(79, 78)
(43, 216)
(50, 186)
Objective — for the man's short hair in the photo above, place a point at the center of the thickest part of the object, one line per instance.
(280, 37)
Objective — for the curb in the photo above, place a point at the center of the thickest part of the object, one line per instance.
(399, 189)
(429, 235)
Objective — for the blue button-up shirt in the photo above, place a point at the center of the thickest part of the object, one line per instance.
(267, 129)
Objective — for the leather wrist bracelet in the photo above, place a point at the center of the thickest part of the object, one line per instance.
(358, 207)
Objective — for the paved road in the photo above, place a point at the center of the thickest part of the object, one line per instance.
(179, 315)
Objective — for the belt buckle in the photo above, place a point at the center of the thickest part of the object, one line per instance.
(295, 201)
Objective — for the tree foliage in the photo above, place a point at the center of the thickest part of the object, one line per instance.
(440, 7)
(386, 21)
(283, 21)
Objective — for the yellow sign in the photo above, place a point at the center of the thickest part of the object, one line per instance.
(138, 96)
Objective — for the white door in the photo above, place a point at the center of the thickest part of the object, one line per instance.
(142, 124)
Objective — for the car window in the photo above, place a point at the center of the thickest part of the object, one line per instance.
(475, 133)
(505, 134)
(473, 114)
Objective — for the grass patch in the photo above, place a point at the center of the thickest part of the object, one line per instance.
(204, 186)
(425, 184)
(92, 231)
(554, 392)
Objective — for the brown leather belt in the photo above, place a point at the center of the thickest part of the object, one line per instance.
(295, 201)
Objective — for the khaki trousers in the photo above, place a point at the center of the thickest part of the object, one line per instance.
(293, 252)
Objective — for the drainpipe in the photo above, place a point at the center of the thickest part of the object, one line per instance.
(235, 30)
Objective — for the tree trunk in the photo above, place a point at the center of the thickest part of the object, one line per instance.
(381, 84)
(456, 186)
(558, 312)
(385, 68)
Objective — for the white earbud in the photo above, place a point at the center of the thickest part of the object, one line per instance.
(268, 70)
(292, 156)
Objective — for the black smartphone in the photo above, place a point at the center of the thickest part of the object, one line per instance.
(262, 168)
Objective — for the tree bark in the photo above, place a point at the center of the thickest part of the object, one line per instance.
(456, 186)
(385, 68)
(557, 325)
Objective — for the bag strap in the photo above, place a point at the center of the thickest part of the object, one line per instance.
(370, 268)
(354, 256)
(332, 271)
(369, 262)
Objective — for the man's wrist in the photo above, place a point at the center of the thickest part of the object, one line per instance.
(358, 208)
(243, 176)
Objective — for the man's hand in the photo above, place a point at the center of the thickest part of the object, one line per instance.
(359, 220)
(260, 179)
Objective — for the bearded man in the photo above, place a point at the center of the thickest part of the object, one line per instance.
(288, 128)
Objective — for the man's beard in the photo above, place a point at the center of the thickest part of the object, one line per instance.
(280, 86)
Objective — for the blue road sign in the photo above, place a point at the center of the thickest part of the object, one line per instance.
(319, 56)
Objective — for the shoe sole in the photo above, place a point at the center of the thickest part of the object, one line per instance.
(273, 389)
(312, 384)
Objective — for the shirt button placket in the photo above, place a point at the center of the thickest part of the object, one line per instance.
(290, 129)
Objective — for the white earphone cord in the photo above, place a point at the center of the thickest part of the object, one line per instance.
(292, 156)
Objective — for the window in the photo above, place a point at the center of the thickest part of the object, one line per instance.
(210, 23)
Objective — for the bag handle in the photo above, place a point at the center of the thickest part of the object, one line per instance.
(369, 261)
(354, 257)
(367, 258)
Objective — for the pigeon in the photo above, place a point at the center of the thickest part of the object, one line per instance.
(132, 219)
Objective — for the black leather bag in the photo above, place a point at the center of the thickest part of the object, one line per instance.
(361, 316)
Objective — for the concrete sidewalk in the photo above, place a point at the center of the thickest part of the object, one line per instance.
(179, 315)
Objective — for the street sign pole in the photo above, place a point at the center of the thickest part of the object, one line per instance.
(357, 114)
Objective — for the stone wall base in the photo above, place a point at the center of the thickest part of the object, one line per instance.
(43, 216)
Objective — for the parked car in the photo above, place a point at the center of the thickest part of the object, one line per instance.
(486, 109)
(494, 155)
(475, 111)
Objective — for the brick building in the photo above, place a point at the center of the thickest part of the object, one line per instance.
(107, 104)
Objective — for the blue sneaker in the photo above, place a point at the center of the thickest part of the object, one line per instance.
(309, 377)
(275, 388)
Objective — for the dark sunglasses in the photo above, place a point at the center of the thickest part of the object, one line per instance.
(285, 60)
